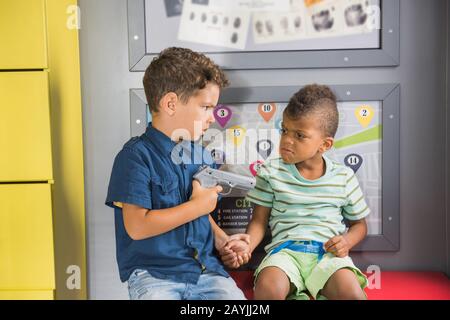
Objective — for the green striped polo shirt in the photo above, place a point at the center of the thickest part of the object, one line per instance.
(305, 209)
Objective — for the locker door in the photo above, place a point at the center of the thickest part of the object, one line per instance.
(26, 238)
(22, 34)
(25, 144)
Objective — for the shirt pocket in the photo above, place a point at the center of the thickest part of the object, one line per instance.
(165, 193)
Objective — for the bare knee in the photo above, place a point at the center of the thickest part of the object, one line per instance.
(266, 290)
(354, 293)
(343, 285)
(272, 284)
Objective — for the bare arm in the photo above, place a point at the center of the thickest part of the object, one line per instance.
(220, 237)
(141, 223)
(256, 230)
(356, 232)
(341, 245)
(258, 225)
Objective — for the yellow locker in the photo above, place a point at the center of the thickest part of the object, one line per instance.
(23, 34)
(26, 238)
(26, 295)
(25, 144)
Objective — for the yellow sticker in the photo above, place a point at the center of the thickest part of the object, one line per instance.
(364, 114)
(236, 134)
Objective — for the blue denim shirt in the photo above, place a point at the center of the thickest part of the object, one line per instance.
(153, 172)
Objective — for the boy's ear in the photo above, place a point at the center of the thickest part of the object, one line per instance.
(327, 144)
(168, 103)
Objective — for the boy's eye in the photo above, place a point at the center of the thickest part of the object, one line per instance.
(283, 131)
(299, 135)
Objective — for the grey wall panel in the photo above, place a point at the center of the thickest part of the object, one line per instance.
(448, 140)
(105, 87)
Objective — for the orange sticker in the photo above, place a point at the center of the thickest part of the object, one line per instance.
(309, 3)
(267, 110)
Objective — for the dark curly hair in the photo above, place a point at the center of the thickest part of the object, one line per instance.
(317, 100)
(181, 71)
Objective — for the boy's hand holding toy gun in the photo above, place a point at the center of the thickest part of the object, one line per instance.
(209, 177)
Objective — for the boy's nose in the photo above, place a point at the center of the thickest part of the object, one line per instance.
(287, 140)
(211, 118)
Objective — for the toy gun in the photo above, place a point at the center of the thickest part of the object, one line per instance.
(209, 177)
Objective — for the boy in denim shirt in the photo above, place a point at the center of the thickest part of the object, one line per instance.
(164, 234)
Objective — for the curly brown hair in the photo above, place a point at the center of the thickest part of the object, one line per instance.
(316, 100)
(181, 71)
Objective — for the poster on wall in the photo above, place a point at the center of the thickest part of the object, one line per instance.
(236, 25)
(275, 33)
(246, 134)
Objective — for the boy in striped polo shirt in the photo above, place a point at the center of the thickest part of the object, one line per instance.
(304, 197)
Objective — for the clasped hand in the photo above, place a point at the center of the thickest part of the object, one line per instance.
(236, 250)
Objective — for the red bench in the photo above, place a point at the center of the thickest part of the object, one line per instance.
(395, 285)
